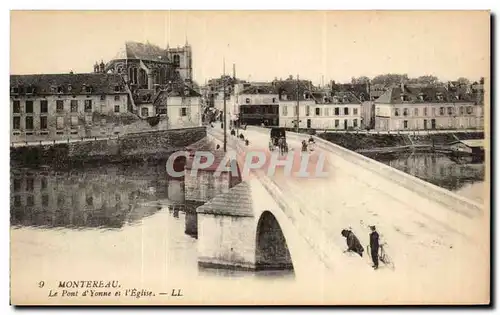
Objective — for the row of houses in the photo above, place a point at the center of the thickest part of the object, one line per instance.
(401, 107)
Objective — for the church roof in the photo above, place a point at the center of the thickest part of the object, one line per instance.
(142, 51)
(99, 83)
(259, 90)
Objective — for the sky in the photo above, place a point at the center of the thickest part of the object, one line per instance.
(263, 45)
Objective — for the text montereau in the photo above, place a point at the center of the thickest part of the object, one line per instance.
(89, 284)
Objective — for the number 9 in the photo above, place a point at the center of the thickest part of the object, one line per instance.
(41, 284)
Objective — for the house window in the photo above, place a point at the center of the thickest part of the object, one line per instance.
(461, 110)
(274, 99)
(318, 111)
(17, 201)
(337, 111)
(43, 182)
(44, 106)
(336, 123)
(285, 110)
(16, 123)
(405, 111)
(247, 101)
(346, 110)
(416, 111)
(103, 97)
(60, 123)
(183, 111)
(117, 108)
(354, 111)
(16, 107)
(405, 124)
(307, 110)
(29, 107)
(30, 184)
(144, 112)
(29, 123)
(30, 201)
(441, 111)
(43, 122)
(17, 184)
(45, 200)
(89, 200)
(396, 111)
(469, 110)
(117, 97)
(450, 111)
(88, 106)
(59, 106)
(425, 111)
(74, 106)
(74, 121)
(354, 123)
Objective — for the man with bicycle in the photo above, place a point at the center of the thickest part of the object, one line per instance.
(374, 246)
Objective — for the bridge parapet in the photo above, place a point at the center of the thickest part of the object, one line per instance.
(429, 191)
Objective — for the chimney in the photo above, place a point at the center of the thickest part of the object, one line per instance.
(402, 87)
(234, 71)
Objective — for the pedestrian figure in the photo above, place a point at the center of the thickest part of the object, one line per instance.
(353, 244)
(247, 142)
(217, 147)
(374, 246)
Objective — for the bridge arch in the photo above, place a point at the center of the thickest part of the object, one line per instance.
(271, 248)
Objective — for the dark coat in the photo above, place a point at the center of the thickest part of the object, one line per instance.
(374, 244)
(353, 243)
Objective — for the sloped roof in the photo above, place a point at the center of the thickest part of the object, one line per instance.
(145, 52)
(414, 94)
(174, 90)
(258, 90)
(100, 83)
(238, 201)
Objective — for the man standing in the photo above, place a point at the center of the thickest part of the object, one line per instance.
(374, 245)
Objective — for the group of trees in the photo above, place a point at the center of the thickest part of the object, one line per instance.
(392, 78)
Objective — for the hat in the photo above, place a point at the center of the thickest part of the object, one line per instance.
(372, 227)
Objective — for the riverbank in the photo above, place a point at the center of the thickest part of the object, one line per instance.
(151, 145)
(391, 143)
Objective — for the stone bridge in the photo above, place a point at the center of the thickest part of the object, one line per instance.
(438, 240)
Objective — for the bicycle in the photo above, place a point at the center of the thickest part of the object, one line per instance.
(383, 256)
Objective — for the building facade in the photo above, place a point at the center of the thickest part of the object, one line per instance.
(61, 106)
(433, 108)
(258, 105)
(180, 103)
(322, 111)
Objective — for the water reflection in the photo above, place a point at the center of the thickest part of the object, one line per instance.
(442, 170)
(86, 197)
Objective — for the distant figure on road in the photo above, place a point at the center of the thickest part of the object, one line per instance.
(233, 133)
(311, 139)
(353, 244)
(242, 137)
(374, 246)
(217, 147)
(304, 146)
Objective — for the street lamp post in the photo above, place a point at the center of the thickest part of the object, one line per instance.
(224, 89)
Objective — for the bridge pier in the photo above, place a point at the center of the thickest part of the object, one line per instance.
(234, 234)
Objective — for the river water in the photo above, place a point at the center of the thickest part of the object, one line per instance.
(106, 221)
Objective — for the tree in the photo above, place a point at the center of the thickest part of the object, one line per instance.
(481, 81)
(360, 80)
(427, 79)
(463, 81)
(390, 79)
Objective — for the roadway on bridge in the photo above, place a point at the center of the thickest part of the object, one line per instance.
(437, 252)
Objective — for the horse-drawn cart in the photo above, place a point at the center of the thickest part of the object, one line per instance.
(278, 140)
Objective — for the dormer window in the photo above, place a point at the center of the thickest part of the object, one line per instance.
(421, 96)
(59, 89)
(439, 97)
(247, 101)
(30, 90)
(70, 88)
(53, 89)
(14, 90)
(117, 88)
(86, 89)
